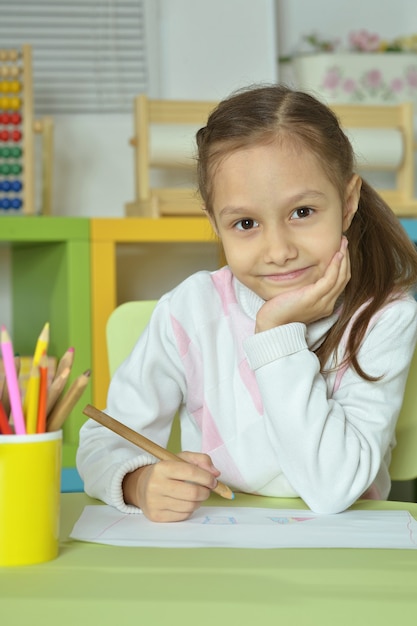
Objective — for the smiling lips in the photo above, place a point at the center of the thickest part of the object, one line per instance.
(281, 277)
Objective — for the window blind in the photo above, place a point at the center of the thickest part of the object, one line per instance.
(89, 56)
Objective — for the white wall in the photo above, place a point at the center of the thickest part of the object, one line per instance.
(205, 51)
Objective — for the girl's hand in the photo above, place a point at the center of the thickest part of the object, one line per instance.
(312, 302)
(170, 491)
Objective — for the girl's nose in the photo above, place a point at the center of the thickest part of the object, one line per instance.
(279, 247)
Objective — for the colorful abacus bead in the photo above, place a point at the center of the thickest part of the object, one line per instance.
(5, 185)
(15, 119)
(16, 135)
(5, 203)
(16, 185)
(16, 203)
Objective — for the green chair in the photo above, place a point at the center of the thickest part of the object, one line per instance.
(128, 320)
(404, 456)
(124, 326)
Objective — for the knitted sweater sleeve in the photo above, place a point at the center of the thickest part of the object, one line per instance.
(331, 445)
(144, 394)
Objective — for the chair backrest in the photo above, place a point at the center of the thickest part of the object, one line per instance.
(165, 139)
(404, 456)
(124, 326)
(128, 320)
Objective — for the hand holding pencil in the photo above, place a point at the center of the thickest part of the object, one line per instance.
(146, 444)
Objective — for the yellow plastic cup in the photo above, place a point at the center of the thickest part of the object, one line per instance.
(30, 485)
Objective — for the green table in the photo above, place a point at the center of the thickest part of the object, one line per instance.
(108, 585)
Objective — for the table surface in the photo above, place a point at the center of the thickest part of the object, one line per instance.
(214, 585)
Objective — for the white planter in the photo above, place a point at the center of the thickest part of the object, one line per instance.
(368, 78)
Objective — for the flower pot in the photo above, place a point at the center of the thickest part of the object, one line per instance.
(361, 78)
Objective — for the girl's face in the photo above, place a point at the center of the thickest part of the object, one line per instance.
(279, 217)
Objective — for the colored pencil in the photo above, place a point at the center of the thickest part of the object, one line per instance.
(12, 382)
(5, 427)
(5, 393)
(31, 404)
(56, 389)
(43, 391)
(66, 361)
(146, 444)
(65, 404)
(41, 344)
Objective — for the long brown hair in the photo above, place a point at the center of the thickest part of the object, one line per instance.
(383, 259)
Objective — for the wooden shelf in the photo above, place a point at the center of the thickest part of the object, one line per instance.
(106, 235)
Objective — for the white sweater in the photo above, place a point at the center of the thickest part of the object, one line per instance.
(256, 403)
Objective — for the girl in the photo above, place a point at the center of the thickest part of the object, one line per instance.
(288, 365)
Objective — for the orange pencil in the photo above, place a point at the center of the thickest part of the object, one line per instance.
(5, 427)
(43, 391)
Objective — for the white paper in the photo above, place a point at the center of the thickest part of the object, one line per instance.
(246, 527)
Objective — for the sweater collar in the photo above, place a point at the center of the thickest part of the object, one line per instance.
(315, 332)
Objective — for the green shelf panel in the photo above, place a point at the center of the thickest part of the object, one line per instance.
(50, 259)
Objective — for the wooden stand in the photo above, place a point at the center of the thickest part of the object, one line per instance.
(17, 128)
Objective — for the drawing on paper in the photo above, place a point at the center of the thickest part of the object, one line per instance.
(220, 520)
(290, 520)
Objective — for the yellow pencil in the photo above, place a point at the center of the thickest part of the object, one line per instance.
(40, 349)
(146, 444)
(41, 344)
(31, 405)
(65, 404)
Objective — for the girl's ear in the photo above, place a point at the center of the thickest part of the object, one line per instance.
(352, 195)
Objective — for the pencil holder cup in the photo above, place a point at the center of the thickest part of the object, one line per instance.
(30, 485)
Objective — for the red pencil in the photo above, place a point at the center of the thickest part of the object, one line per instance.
(43, 391)
(5, 427)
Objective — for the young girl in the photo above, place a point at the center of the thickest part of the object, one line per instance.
(288, 365)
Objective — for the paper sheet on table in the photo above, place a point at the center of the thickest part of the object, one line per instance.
(246, 527)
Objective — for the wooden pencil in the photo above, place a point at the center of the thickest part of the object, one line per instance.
(65, 404)
(56, 389)
(66, 361)
(146, 444)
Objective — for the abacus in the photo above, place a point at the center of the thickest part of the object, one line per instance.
(16, 132)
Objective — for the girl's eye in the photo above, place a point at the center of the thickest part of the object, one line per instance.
(302, 212)
(246, 224)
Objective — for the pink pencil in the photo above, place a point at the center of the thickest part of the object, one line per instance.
(12, 383)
